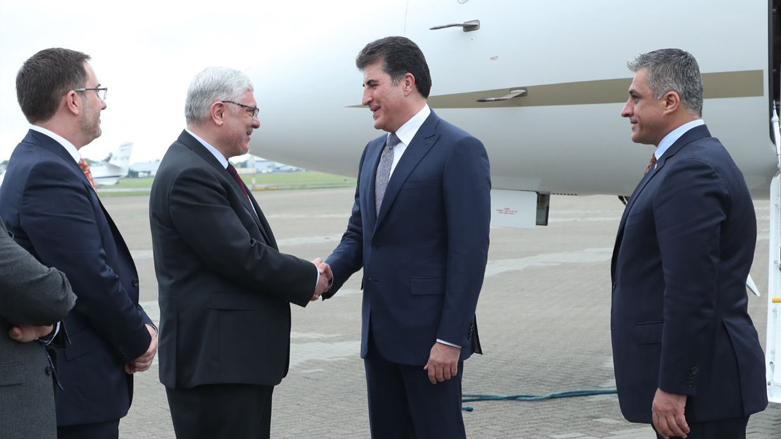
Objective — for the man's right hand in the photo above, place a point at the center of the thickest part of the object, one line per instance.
(28, 333)
(669, 415)
(324, 282)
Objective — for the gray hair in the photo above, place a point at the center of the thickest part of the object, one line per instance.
(672, 70)
(211, 85)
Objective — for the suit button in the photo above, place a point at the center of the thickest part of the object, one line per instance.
(135, 282)
(375, 246)
(614, 285)
(369, 279)
(49, 370)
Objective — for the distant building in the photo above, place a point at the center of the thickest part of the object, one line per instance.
(261, 165)
(143, 169)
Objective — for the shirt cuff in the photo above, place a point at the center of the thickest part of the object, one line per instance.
(448, 343)
(47, 339)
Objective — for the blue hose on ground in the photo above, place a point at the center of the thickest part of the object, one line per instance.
(472, 397)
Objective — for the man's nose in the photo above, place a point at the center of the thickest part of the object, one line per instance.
(627, 110)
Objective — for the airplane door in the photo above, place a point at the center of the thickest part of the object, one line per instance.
(467, 48)
(490, 44)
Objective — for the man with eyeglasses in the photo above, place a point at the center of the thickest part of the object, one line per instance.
(49, 202)
(224, 288)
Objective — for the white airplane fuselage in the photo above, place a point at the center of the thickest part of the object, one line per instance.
(566, 135)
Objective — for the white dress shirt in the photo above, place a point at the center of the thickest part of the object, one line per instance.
(674, 135)
(406, 132)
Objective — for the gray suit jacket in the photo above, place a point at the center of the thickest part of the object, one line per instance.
(30, 293)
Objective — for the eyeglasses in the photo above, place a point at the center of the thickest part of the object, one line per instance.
(101, 91)
(252, 111)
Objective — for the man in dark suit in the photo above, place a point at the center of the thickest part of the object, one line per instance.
(687, 357)
(33, 299)
(225, 289)
(49, 202)
(419, 228)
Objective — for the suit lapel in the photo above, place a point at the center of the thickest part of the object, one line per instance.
(373, 159)
(620, 235)
(688, 137)
(424, 139)
(43, 141)
(252, 208)
(263, 225)
(196, 146)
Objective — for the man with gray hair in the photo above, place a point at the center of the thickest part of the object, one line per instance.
(686, 354)
(224, 288)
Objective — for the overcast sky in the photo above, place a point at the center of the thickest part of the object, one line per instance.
(146, 52)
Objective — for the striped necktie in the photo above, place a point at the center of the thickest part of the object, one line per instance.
(384, 170)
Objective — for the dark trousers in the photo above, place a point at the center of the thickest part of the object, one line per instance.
(734, 428)
(103, 430)
(403, 404)
(221, 411)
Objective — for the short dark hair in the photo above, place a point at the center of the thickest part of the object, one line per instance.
(400, 56)
(45, 78)
(672, 70)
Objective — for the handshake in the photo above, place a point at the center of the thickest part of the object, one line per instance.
(325, 280)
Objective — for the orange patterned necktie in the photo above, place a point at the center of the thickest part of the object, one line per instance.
(650, 164)
(85, 169)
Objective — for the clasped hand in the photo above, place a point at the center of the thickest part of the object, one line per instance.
(144, 362)
(28, 333)
(324, 283)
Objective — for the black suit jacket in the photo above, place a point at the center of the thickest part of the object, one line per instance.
(54, 213)
(679, 318)
(224, 288)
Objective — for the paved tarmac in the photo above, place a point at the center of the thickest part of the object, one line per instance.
(543, 316)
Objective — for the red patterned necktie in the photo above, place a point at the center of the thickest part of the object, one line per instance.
(85, 169)
(650, 164)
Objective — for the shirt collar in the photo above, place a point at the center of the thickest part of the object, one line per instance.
(59, 139)
(407, 131)
(674, 135)
(218, 155)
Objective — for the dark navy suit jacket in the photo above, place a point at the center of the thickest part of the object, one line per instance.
(679, 319)
(424, 255)
(54, 213)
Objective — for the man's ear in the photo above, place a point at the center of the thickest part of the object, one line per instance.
(672, 101)
(218, 113)
(73, 102)
(409, 84)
